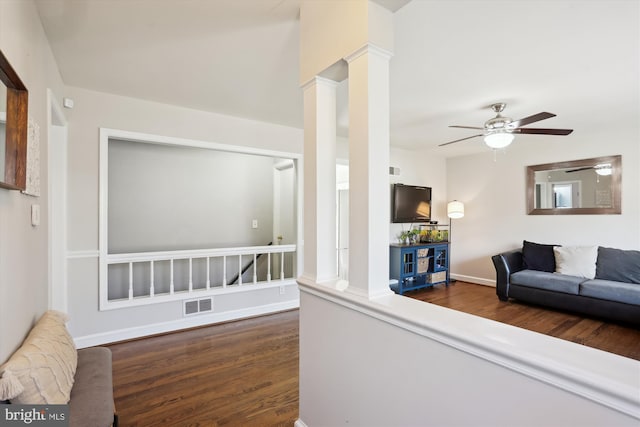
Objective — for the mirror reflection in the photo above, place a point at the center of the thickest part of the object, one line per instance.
(589, 186)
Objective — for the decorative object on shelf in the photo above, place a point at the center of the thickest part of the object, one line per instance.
(413, 236)
(455, 210)
(434, 233)
(408, 237)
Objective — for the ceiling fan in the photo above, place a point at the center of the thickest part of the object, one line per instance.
(602, 169)
(499, 131)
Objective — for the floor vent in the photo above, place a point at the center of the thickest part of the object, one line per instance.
(198, 306)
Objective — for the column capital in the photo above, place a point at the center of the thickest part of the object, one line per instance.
(368, 48)
(317, 81)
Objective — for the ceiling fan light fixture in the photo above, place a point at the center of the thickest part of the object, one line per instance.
(498, 131)
(604, 169)
(498, 140)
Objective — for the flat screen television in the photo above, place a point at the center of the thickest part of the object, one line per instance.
(411, 203)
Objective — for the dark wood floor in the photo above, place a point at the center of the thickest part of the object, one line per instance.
(246, 372)
(482, 301)
(238, 373)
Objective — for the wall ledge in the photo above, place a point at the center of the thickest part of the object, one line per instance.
(604, 378)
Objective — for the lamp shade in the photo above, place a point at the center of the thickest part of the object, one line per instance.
(498, 139)
(455, 209)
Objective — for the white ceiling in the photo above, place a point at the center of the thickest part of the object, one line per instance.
(577, 59)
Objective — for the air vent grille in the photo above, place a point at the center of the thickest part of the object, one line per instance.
(205, 304)
(197, 306)
(190, 307)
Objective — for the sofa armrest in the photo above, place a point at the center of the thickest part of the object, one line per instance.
(505, 264)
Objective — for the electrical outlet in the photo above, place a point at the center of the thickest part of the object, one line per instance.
(254, 223)
(281, 290)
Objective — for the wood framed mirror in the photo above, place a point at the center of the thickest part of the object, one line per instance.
(578, 187)
(13, 128)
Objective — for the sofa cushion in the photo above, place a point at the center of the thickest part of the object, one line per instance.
(618, 265)
(91, 401)
(547, 281)
(628, 293)
(536, 256)
(577, 261)
(44, 365)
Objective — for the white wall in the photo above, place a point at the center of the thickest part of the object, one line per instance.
(165, 197)
(324, 39)
(23, 248)
(94, 110)
(495, 205)
(401, 362)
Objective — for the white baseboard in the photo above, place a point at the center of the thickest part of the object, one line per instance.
(476, 280)
(184, 323)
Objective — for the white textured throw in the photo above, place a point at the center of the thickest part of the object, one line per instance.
(42, 370)
(577, 261)
(10, 386)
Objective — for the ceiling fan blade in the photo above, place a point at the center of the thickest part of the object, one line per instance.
(531, 119)
(466, 127)
(579, 169)
(458, 140)
(543, 131)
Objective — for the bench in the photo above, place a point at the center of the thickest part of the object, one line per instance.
(47, 369)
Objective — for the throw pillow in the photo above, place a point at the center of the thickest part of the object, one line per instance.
(577, 261)
(42, 370)
(536, 256)
(618, 265)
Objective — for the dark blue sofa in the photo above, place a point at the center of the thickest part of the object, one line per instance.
(526, 274)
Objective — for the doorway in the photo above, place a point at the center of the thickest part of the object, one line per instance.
(566, 195)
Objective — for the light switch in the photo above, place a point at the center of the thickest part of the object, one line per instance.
(254, 223)
(35, 215)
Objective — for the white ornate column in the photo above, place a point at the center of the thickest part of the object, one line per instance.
(369, 171)
(320, 259)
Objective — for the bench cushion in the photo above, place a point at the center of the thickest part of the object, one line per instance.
(91, 401)
(628, 293)
(42, 370)
(549, 281)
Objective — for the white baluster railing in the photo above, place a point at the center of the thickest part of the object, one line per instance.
(181, 287)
